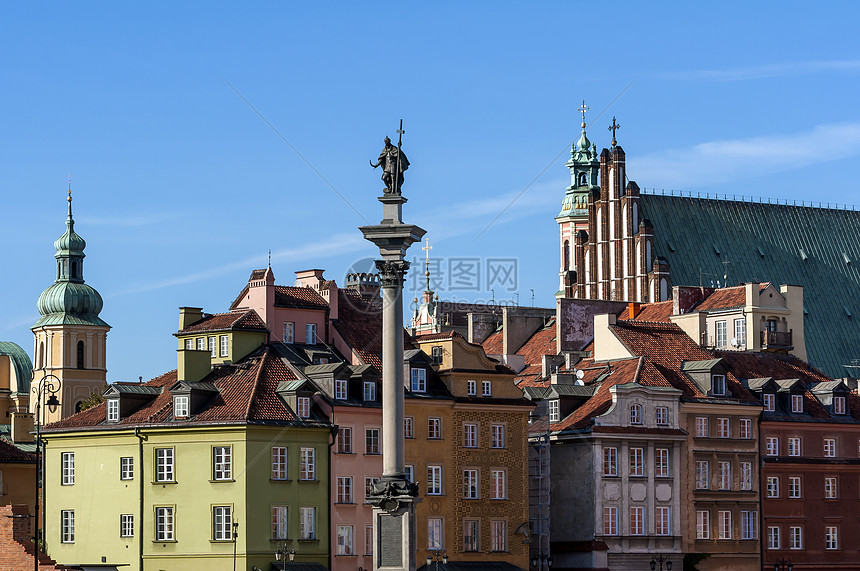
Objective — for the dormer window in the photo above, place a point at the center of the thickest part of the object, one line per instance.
(769, 401)
(340, 389)
(718, 385)
(303, 404)
(437, 355)
(369, 391)
(635, 414)
(311, 333)
(838, 405)
(796, 403)
(471, 388)
(553, 410)
(486, 389)
(662, 415)
(180, 406)
(419, 380)
(113, 410)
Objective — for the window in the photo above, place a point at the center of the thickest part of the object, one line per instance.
(721, 334)
(164, 465)
(497, 436)
(434, 480)
(81, 351)
(635, 414)
(831, 537)
(749, 524)
(553, 410)
(470, 435)
(661, 469)
(702, 426)
(344, 440)
(703, 524)
(303, 404)
(637, 520)
(419, 380)
(718, 384)
(68, 469)
(371, 441)
(434, 428)
(723, 428)
(222, 523)
(225, 346)
(113, 410)
(637, 464)
(126, 525)
(745, 428)
(368, 540)
(741, 331)
(703, 476)
(410, 472)
(369, 483)
(213, 347)
(773, 537)
(289, 332)
(725, 474)
(661, 414)
(610, 461)
(486, 389)
(498, 485)
(769, 401)
(796, 403)
(830, 488)
(340, 392)
(470, 484)
(434, 533)
(180, 406)
(772, 486)
(408, 427)
(471, 388)
(830, 447)
(307, 523)
(280, 520)
(310, 333)
(471, 531)
(344, 540)
(67, 521)
(725, 524)
(664, 521)
(498, 535)
(795, 537)
(126, 468)
(794, 446)
(772, 444)
(307, 464)
(164, 524)
(279, 462)
(189, 344)
(746, 475)
(436, 354)
(344, 489)
(610, 520)
(201, 343)
(838, 405)
(794, 487)
(369, 391)
(222, 463)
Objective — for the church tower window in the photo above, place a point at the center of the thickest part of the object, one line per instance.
(567, 254)
(81, 351)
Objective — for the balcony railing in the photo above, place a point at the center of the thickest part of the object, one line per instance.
(776, 339)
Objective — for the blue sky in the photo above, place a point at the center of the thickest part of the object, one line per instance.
(181, 188)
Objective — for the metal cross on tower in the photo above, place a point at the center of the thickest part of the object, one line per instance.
(426, 249)
(615, 126)
(582, 109)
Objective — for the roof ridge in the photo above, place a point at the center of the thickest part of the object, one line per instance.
(256, 383)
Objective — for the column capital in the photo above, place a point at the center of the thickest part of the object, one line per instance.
(392, 272)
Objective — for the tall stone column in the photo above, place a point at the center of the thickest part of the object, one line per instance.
(394, 498)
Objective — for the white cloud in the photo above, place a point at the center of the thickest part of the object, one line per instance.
(719, 161)
(765, 71)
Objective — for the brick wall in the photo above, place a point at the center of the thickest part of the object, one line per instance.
(16, 545)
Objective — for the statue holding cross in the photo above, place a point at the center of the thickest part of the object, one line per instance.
(393, 162)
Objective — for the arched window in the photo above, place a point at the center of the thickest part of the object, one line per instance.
(40, 358)
(583, 179)
(81, 355)
(567, 254)
(635, 414)
(78, 406)
(74, 270)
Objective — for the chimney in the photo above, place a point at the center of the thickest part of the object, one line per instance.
(189, 315)
(633, 309)
(22, 427)
(193, 365)
(309, 278)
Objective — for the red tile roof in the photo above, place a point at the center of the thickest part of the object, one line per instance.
(9, 454)
(299, 297)
(541, 343)
(725, 298)
(494, 344)
(247, 320)
(359, 322)
(436, 336)
(656, 312)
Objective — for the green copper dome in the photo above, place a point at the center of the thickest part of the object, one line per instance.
(583, 144)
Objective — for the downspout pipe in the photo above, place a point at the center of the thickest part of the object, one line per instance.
(140, 439)
(333, 434)
(761, 489)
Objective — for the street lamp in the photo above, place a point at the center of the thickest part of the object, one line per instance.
(539, 560)
(783, 565)
(48, 385)
(659, 560)
(281, 552)
(436, 556)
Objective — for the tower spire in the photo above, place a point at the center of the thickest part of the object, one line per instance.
(426, 249)
(70, 219)
(614, 127)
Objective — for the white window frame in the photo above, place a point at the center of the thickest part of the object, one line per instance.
(745, 428)
(724, 427)
(369, 483)
(307, 522)
(719, 386)
(773, 539)
(497, 436)
(553, 410)
(340, 389)
(772, 446)
(280, 522)
(471, 484)
(225, 345)
(635, 413)
(201, 343)
(368, 540)
(289, 332)
(794, 446)
(408, 427)
(610, 520)
(68, 470)
(610, 461)
(661, 415)
(372, 441)
(703, 475)
(749, 524)
(663, 520)
(434, 480)
(303, 407)
(67, 526)
(113, 410)
(471, 388)
(769, 402)
(419, 380)
(636, 466)
(344, 440)
(126, 468)
(831, 488)
(222, 463)
(486, 389)
(725, 475)
(470, 435)
(471, 534)
(279, 462)
(307, 465)
(637, 520)
(720, 334)
(831, 537)
(126, 525)
(724, 519)
(164, 524)
(434, 428)
(189, 344)
(369, 391)
(435, 537)
(213, 346)
(164, 465)
(498, 535)
(702, 427)
(830, 448)
(345, 490)
(795, 537)
(344, 540)
(181, 406)
(310, 333)
(222, 523)
(498, 484)
(796, 403)
(703, 524)
(839, 405)
(772, 487)
(661, 459)
(795, 487)
(741, 331)
(746, 475)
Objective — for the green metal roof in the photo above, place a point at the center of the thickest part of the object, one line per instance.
(700, 366)
(21, 363)
(817, 248)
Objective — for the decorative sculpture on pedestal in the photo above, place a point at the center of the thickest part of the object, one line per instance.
(394, 498)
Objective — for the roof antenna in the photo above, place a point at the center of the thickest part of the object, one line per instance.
(270, 258)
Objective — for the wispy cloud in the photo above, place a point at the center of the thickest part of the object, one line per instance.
(719, 161)
(764, 71)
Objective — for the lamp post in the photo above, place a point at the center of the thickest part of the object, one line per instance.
(538, 561)
(783, 565)
(282, 552)
(48, 386)
(660, 560)
(436, 556)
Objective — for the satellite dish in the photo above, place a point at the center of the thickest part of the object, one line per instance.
(579, 374)
(734, 342)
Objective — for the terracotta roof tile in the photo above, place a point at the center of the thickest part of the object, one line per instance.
(9, 454)
(300, 297)
(359, 322)
(436, 336)
(621, 372)
(493, 345)
(725, 298)
(247, 320)
(656, 312)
